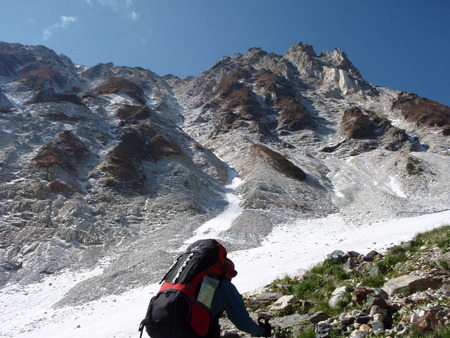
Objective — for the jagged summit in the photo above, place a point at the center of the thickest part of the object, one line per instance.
(302, 48)
(111, 159)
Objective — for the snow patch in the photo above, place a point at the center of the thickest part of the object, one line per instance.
(395, 187)
(296, 246)
(338, 193)
(30, 307)
(223, 221)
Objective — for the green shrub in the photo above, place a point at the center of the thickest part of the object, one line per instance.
(346, 299)
(373, 281)
(444, 242)
(439, 237)
(444, 264)
(309, 288)
(330, 269)
(440, 332)
(387, 264)
(283, 333)
(306, 334)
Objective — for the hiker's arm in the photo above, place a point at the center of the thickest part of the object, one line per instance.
(234, 306)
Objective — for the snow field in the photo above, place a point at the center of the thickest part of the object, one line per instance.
(27, 311)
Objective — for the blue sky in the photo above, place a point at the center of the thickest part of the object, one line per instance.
(399, 44)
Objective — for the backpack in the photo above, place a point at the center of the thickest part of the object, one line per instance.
(182, 306)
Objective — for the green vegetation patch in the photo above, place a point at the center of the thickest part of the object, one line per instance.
(441, 331)
(439, 237)
(317, 285)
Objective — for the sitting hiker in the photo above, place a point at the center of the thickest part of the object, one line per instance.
(194, 293)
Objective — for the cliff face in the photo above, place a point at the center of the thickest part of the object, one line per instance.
(117, 159)
(91, 156)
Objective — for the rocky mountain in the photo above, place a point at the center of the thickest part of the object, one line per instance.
(118, 166)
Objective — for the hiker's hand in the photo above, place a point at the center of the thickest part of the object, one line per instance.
(267, 329)
(266, 326)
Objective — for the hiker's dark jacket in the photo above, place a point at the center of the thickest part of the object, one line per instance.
(229, 299)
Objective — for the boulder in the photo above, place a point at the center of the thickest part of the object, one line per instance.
(376, 309)
(283, 303)
(317, 317)
(446, 288)
(378, 317)
(410, 283)
(373, 300)
(231, 334)
(291, 320)
(360, 294)
(381, 293)
(358, 334)
(338, 295)
(353, 254)
(370, 256)
(428, 321)
(365, 328)
(323, 330)
(263, 299)
(377, 327)
(339, 290)
(337, 257)
(362, 319)
(349, 265)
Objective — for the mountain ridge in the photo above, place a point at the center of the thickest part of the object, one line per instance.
(99, 161)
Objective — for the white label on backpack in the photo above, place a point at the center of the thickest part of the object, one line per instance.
(207, 290)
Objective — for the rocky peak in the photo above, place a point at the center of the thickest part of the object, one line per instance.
(302, 49)
(301, 52)
(13, 57)
(103, 72)
(331, 72)
(255, 51)
(34, 73)
(338, 59)
(304, 58)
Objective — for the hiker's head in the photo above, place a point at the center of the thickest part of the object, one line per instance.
(212, 252)
(230, 271)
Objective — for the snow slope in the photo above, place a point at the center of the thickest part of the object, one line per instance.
(290, 248)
